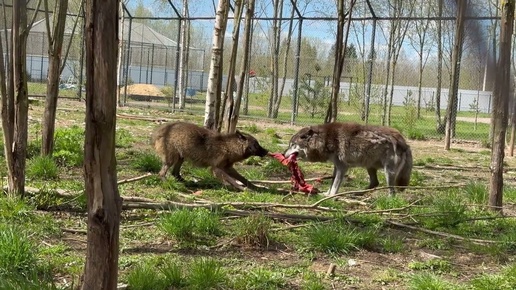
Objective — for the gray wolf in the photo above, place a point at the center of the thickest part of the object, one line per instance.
(179, 141)
(349, 145)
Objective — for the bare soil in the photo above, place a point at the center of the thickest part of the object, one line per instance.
(143, 89)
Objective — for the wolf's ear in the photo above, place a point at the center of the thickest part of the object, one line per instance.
(240, 135)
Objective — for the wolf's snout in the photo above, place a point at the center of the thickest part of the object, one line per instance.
(291, 150)
(262, 152)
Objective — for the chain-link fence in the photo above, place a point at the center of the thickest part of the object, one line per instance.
(409, 99)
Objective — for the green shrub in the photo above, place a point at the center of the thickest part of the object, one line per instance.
(336, 238)
(69, 146)
(189, 225)
(260, 278)
(147, 162)
(145, 276)
(123, 138)
(253, 230)
(17, 254)
(429, 281)
(42, 167)
(205, 273)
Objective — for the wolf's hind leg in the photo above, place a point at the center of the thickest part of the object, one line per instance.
(339, 174)
(390, 176)
(373, 178)
(176, 169)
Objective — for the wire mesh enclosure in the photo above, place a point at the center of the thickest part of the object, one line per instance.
(398, 60)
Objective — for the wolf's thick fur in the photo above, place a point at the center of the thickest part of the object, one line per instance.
(180, 141)
(353, 145)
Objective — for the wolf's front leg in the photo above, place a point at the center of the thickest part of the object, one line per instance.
(227, 179)
(233, 173)
(339, 174)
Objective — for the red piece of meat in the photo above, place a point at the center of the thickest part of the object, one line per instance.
(297, 178)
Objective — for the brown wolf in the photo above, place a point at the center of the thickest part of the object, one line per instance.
(179, 141)
(354, 145)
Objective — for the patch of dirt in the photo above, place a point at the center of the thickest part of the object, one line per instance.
(144, 89)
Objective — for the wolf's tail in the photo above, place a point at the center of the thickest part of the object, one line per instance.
(404, 168)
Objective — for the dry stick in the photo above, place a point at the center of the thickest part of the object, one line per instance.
(134, 178)
(177, 205)
(441, 234)
(150, 119)
(74, 231)
(288, 181)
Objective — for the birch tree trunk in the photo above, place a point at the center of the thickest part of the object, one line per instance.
(500, 106)
(55, 47)
(228, 97)
(276, 35)
(215, 74)
(277, 103)
(104, 203)
(183, 62)
(244, 66)
(451, 111)
(439, 124)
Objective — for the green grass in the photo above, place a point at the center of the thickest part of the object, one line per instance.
(253, 231)
(335, 238)
(206, 273)
(429, 281)
(146, 162)
(261, 278)
(42, 167)
(68, 147)
(191, 225)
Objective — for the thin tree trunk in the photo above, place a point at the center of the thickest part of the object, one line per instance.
(439, 124)
(340, 55)
(244, 66)
(229, 101)
(500, 106)
(181, 92)
(119, 64)
(19, 150)
(7, 101)
(55, 47)
(276, 24)
(215, 75)
(104, 202)
(451, 111)
(277, 103)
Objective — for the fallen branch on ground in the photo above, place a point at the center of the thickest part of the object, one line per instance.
(441, 234)
(288, 181)
(127, 180)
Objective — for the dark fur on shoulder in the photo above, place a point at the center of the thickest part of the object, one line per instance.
(180, 141)
(349, 145)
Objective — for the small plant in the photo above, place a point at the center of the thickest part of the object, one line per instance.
(42, 167)
(502, 281)
(392, 245)
(388, 202)
(410, 112)
(69, 143)
(338, 239)
(253, 231)
(33, 149)
(172, 271)
(144, 276)
(446, 210)
(206, 273)
(476, 192)
(123, 138)
(147, 162)
(17, 254)
(312, 282)
(252, 128)
(429, 281)
(189, 225)
(313, 98)
(261, 278)
(434, 265)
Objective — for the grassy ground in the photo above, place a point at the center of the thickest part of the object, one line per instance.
(437, 234)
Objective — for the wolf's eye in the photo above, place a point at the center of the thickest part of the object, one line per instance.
(303, 137)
